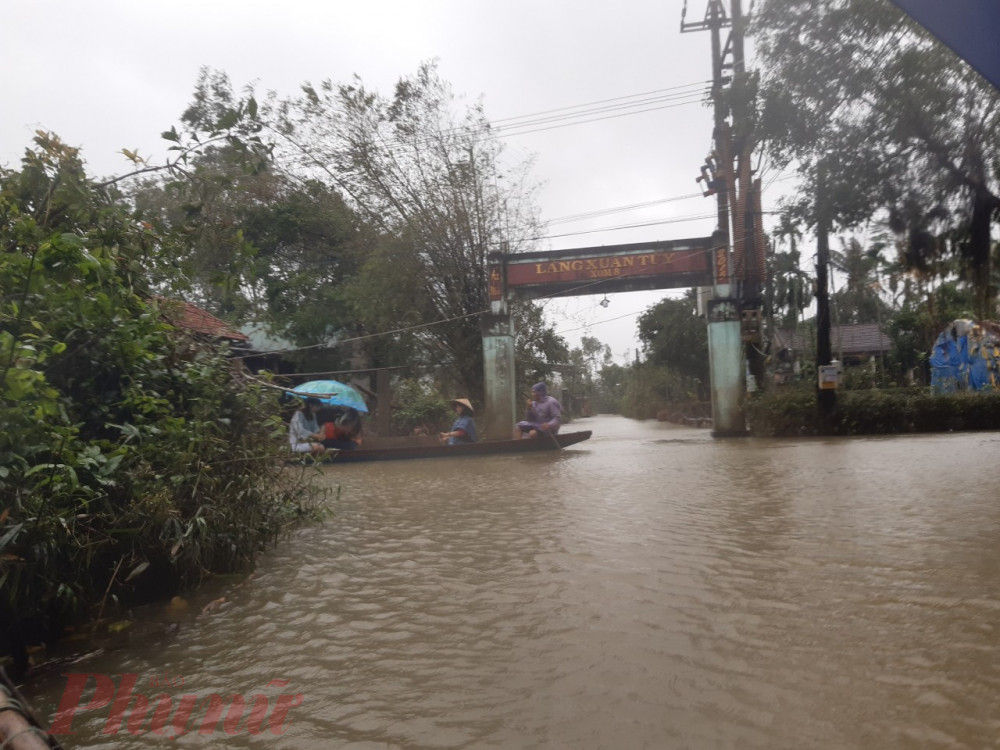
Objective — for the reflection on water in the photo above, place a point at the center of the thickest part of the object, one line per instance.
(650, 588)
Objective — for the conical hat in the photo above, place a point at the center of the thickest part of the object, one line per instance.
(464, 402)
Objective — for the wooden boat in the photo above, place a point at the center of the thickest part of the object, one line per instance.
(434, 449)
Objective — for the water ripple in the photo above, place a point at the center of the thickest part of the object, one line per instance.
(652, 588)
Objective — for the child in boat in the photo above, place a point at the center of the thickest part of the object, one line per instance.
(463, 430)
(344, 431)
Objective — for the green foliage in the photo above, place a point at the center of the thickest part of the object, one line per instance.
(867, 104)
(610, 389)
(782, 412)
(914, 329)
(675, 336)
(582, 377)
(858, 300)
(789, 289)
(536, 346)
(369, 218)
(650, 389)
(264, 249)
(788, 412)
(133, 459)
(422, 171)
(418, 405)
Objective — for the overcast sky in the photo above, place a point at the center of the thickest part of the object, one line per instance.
(111, 74)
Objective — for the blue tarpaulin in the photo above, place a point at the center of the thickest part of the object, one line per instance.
(966, 356)
(971, 28)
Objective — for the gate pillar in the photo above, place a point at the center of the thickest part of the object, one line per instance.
(726, 366)
(498, 372)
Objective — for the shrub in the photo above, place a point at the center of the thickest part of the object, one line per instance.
(417, 404)
(782, 412)
(793, 411)
(133, 459)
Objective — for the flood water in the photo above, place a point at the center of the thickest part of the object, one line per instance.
(650, 588)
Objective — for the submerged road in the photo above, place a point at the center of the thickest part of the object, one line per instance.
(650, 588)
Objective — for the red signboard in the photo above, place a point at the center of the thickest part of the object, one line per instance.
(659, 265)
(496, 283)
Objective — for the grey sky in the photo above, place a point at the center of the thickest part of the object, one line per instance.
(111, 74)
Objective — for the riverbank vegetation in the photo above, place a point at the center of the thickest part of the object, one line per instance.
(135, 459)
(793, 412)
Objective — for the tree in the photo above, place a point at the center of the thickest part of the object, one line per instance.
(430, 182)
(858, 301)
(674, 335)
(582, 377)
(596, 354)
(916, 326)
(252, 243)
(888, 120)
(789, 288)
(264, 249)
(611, 385)
(536, 346)
(132, 457)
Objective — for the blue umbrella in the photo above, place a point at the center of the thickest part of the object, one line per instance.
(332, 393)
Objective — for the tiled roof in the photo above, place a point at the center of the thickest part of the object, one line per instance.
(862, 338)
(185, 315)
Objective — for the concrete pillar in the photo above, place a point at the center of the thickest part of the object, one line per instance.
(498, 420)
(726, 365)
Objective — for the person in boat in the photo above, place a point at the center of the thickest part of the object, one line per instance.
(343, 431)
(304, 434)
(463, 430)
(544, 413)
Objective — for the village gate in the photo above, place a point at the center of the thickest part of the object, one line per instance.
(671, 264)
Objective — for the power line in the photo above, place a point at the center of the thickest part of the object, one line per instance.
(675, 220)
(341, 342)
(600, 322)
(530, 124)
(619, 209)
(655, 92)
(508, 132)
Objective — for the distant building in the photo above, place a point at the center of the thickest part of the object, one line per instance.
(202, 324)
(851, 345)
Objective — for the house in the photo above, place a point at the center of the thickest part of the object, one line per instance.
(851, 345)
(202, 324)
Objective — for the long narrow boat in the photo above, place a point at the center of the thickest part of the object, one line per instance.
(484, 448)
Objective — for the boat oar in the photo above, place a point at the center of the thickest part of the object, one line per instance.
(552, 437)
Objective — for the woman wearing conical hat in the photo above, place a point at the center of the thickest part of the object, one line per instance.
(463, 430)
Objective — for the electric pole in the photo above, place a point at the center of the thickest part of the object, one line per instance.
(734, 312)
(826, 394)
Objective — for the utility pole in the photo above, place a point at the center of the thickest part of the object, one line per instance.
(733, 312)
(748, 236)
(826, 394)
(718, 171)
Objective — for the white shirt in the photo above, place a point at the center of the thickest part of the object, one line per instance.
(301, 427)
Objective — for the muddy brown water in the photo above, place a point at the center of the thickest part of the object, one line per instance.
(650, 588)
